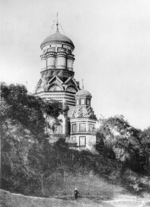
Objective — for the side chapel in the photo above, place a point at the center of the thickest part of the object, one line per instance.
(57, 82)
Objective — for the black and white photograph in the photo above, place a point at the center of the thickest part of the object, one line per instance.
(74, 103)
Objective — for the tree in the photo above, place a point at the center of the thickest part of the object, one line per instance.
(125, 141)
(145, 139)
(23, 123)
(26, 109)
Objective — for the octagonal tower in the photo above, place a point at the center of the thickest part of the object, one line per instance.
(57, 76)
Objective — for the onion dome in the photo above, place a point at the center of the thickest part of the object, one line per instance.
(83, 93)
(57, 38)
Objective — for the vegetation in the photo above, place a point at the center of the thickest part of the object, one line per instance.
(23, 123)
(128, 146)
(33, 166)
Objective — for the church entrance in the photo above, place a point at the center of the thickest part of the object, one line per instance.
(82, 141)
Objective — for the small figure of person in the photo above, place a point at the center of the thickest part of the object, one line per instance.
(76, 193)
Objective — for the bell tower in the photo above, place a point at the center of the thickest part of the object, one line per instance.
(57, 75)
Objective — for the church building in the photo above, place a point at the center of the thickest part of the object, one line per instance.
(57, 82)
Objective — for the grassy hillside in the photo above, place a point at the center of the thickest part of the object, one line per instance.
(57, 170)
(33, 166)
(89, 186)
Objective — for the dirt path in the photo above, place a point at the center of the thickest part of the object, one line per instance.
(8, 199)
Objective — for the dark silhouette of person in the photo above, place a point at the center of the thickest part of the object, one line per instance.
(76, 193)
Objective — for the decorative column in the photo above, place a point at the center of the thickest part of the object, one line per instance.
(70, 60)
(61, 60)
(43, 61)
(51, 59)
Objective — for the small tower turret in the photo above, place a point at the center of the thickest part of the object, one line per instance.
(83, 122)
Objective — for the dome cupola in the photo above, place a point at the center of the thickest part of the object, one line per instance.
(83, 93)
(57, 52)
(57, 38)
(83, 97)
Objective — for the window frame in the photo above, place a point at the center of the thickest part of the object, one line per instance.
(82, 99)
(80, 130)
(74, 125)
(90, 127)
(88, 102)
(77, 102)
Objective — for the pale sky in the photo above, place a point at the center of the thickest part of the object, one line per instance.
(112, 49)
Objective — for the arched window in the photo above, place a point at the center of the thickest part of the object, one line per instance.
(55, 88)
(71, 89)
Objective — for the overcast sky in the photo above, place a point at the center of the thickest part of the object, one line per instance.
(112, 49)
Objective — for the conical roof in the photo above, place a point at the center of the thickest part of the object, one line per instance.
(59, 38)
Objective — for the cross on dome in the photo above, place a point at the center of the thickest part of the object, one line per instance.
(57, 24)
(82, 85)
(57, 37)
